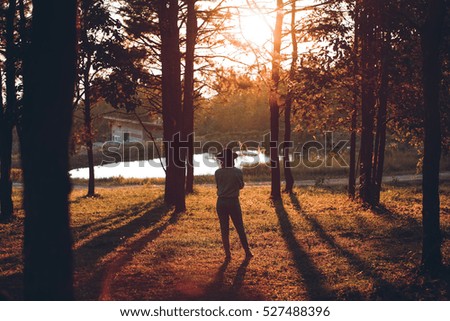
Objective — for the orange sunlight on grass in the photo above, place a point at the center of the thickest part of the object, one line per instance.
(316, 244)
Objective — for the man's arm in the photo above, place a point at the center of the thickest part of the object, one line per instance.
(241, 179)
(215, 177)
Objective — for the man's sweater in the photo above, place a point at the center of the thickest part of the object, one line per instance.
(229, 181)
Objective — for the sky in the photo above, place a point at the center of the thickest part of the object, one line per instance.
(252, 24)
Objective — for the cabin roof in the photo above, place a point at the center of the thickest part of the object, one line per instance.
(131, 121)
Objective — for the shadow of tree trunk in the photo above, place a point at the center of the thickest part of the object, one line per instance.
(312, 278)
(383, 289)
(98, 284)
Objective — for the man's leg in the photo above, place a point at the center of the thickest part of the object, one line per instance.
(236, 217)
(224, 221)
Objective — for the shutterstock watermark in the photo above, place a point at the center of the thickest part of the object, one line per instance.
(325, 152)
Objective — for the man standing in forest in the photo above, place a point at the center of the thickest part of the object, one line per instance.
(230, 180)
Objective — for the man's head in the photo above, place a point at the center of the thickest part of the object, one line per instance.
(227, 157)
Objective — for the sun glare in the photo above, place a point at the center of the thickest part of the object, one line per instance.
(255, 29)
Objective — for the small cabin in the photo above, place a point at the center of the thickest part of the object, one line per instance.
(125, 130)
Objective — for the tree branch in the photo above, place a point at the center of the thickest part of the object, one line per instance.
(153, 140)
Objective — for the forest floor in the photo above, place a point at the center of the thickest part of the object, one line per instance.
(314, 245)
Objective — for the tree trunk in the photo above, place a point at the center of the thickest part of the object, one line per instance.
(352, 170)
(88, 130)
(380, 138)
(87, 100)
(368, 99)
(171, 102)
(275, 193)
(431, 38)
(1, 128)
(88, 137)
(354, 119)
(190, 165)
(22, 23)
(188, 101)
(47, 121)
(288, 107)
(6, 202)
(5, 180)
(24, 35)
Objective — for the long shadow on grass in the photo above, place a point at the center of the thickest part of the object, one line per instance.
(383, 289)
(98, 284)
(383, 212)
(240, 275)
(83, 231)
(406, 232)
(218, 290)
(312, 278)
(125, 256)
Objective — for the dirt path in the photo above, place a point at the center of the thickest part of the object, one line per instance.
(344, 181)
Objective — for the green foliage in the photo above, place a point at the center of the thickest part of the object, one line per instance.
(326, 80)
(241, 106)
(114, 66)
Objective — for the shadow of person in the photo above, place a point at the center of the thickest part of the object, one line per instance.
(240, 275)
(221, 289)
(216, 289)
(220, 275)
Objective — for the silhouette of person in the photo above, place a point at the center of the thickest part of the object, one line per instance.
(229, 181)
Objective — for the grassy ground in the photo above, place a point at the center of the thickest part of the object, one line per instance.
(316, 244)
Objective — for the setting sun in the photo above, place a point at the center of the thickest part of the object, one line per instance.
(255, 29)
(249, 31)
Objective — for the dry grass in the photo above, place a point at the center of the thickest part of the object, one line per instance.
(316, 244)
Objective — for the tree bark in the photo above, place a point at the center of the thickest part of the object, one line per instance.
(354, 118)
(352, 165)
(288, 107)
(188, 101)
(275, 193)
(6, 203)
(22, 23)
(87, 99)
(88, 134)
(431, 38)
(174, 193)
(368, 99)
(24, 35)
(1, 127)
(47, 120)
(380, 137)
